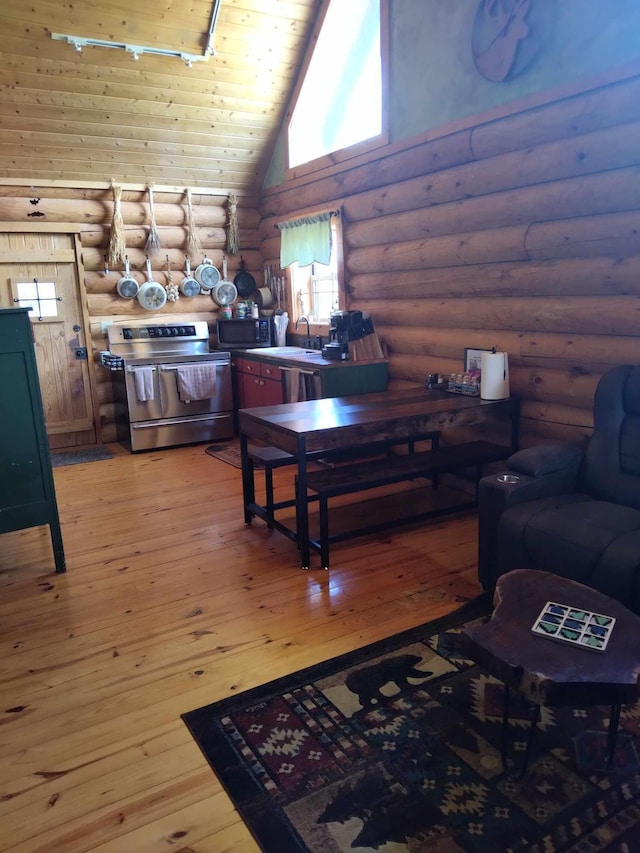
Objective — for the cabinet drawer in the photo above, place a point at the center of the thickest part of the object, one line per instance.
(270, 371)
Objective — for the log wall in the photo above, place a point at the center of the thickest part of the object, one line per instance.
(521, 233)
(92, 209)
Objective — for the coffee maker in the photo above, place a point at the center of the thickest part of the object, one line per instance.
(344, 326)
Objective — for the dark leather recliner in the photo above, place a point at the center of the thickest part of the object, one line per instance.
(575, 508)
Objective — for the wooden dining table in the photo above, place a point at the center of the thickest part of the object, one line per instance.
(323, 428)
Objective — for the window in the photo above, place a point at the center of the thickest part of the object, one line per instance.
(315, 288)
(40, 296)
(339, 102)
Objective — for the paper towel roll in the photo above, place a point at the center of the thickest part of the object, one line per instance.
(494, 378)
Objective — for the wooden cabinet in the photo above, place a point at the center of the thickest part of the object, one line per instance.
(27, 493)
(257, 383)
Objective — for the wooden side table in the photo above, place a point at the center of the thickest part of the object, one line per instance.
(548, 672)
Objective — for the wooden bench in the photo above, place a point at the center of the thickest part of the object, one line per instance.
(395, 469)
(271, 458)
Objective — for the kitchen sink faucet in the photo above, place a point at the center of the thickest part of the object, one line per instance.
(300, 319)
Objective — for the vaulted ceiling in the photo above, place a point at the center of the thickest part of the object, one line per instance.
(99, 114)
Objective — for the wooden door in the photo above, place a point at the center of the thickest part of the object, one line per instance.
(41, 269)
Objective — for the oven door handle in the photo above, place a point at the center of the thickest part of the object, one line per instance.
(133, 369)
(165, 369)
(177, 421)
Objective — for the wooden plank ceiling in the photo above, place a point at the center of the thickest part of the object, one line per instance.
(96, 115)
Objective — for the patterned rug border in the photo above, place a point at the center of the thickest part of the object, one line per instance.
(228, 452)
(204, 723)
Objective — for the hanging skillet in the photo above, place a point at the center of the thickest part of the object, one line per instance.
(244, 281)
(225, 292)
(207, 275)
(189, 286)
(152, 295)
(127, 287)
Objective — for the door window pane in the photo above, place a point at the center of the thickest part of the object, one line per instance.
(40, 296)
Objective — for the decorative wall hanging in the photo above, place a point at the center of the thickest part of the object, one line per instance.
(153, 243)
(233, 237)
(508, 34)
(35, 213)
(173, 292)
(194, 246)
(117, 244)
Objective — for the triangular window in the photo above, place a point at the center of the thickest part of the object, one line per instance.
(340, 100)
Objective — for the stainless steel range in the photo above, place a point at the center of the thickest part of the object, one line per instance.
(169, 389)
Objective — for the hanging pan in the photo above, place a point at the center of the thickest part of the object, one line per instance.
(152, 295)
(264, 297)
(189, 286)
(127, 287)
(244, 281)
(207, 275)
(225, 292)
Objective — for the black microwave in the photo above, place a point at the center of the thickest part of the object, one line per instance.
(245, 334)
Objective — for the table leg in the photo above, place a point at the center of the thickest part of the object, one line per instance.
(530, 736)
(504, 738)
(302, 507)
(612, 734)
(248, 483)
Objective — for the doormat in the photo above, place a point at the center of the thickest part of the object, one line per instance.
(76, 457)
(396, 747)
(229, 453)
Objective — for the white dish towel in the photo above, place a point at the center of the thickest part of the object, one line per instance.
(196, 381)
(143, 378)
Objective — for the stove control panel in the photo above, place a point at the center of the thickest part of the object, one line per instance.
(150, 332)
(137, 338)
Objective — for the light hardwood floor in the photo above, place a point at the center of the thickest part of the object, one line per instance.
(169, 603)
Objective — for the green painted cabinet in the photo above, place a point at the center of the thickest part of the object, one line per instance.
(27, 492)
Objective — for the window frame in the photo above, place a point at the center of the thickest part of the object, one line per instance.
(319, 328)
(359, 148)
(34, 316)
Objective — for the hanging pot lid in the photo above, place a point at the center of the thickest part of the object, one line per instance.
(127, 286)
(189, 286)
(207, 275)
(244, 281)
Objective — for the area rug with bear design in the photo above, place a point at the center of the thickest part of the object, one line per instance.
(396, 747)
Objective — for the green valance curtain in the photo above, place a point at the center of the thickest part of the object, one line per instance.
(306, 240)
